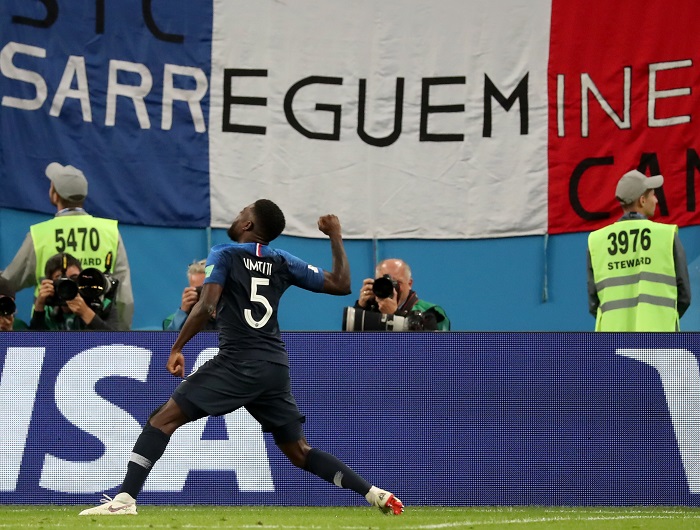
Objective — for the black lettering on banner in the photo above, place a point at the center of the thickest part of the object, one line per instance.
(622, 241)
(334, 109)
(574, 181)
(692, 165)
(229, 99)
(46, 22)
(520, 93)
(90, 237)
(146, 6)
(398, 116)
(426, 108)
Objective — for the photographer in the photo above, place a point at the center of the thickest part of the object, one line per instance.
(391, 293)
(60, 306)
(190, 295)
(8, 309)
(70, 229)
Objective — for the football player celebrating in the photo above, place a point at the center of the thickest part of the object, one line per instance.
(246, 279)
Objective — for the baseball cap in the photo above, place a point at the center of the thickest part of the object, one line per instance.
(69, 181)
(634, 184)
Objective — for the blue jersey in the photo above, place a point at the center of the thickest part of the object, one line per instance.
(254, 277)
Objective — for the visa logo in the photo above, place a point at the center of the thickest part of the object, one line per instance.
(243, 452)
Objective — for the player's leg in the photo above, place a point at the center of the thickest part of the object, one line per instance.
(151, 444)
(276, 410)
(330, 468)
(149, 447)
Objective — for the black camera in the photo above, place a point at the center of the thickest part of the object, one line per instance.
(357, 319)
(97, 288)
(91, 284)
(94, 284)
(7, 306)
(384, 287)
(199, 290)
(64, 289)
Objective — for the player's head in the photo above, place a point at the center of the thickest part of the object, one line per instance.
(261, 221)
(269, 219)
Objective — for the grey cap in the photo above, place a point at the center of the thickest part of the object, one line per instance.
(69, 181)
(634, 184)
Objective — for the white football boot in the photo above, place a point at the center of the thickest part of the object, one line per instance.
(121, 504)
(384, 500)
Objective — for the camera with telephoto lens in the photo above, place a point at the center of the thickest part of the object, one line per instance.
(7, 306)
(384, 287)
(96, 286)
(357, 319)
(91, 284)
(64, 289)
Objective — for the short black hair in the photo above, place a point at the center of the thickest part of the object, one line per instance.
(57, 263)
(269, 219)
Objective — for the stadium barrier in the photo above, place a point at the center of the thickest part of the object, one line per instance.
(438, 418)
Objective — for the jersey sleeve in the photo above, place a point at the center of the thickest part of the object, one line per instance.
(303, 274)
(216, 268)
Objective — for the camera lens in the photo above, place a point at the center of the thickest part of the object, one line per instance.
(92, 284)
(66, 289)
(383, 287)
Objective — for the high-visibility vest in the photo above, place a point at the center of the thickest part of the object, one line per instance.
(89, 239)
(635, 276)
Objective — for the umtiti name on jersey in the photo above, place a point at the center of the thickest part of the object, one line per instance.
(258, 266)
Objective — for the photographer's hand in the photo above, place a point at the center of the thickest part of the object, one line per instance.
(189, 298)
(45, 290)
(80, 308)
(366, 294)
(389, 305)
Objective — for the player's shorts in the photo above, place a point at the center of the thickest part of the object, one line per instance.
(223, 385)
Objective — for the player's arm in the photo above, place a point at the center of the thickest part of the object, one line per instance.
(338, 280)
(202, 310)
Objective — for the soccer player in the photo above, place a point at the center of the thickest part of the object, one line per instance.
(246, 280)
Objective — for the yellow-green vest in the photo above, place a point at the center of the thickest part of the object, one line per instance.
(635, 276)
(87, 238)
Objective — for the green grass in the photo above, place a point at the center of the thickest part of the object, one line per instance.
(423, 517)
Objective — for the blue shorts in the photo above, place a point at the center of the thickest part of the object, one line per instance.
(223, 385)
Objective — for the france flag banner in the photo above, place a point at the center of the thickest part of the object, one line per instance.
(407, 119)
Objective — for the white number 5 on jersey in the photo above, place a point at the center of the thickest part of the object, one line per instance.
(260, 299)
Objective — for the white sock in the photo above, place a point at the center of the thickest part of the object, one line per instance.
(372, 495)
